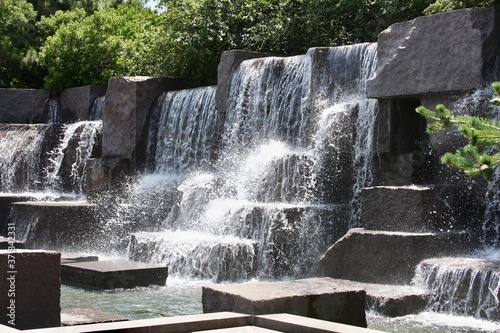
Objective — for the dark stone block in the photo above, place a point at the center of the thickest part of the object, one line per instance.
(23, 106)
(453, 51)
(415, 208)
(113, 274)
(125, 121)
(387, 257)
(320, 298)
(34, 277)
(57, 225)
(76, 102)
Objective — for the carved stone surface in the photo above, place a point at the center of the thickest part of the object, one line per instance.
(125, 120)
(112, 274)
(76, 102)
(386, 257)
(452, 51)
(23, 106)
(34, 277)
(414, 208)
(320, 298)
(55, 225)
(229, 59)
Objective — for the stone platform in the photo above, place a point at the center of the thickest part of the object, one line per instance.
(320, 298)
(112, 274)
(292, 296)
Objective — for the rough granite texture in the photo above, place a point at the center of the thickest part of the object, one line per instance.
(452, 51)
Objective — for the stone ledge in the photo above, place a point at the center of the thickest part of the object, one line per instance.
(213, 321)
(363, 255)
(321, 298)
(113, 274)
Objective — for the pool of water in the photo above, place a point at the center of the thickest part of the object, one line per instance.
(176, 298)
(180, 297)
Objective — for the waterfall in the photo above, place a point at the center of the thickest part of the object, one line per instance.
(97, 107)
(54, 111)
(462, 286)
(183, 130)
(261, 209)
(45, 157)
(21, 149)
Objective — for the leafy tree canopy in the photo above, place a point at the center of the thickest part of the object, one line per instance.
(191, 34)
(118, 41)
(17, 18)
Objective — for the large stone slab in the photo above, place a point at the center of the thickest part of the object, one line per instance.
(387, 257)
(432, 208)
(30, 289)
(230, 59)
(452, 51)
(127, 110)
(394, 300)
(69, 226)
(318, 298)
(23, 106)
(76, 102)
(462, 285)
(110, 274)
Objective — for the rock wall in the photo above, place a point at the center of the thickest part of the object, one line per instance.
(23, 106)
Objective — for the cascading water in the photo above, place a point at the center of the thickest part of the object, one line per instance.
(45, 157)
(259, 210)
(21, 149)
(97, 107)
(54, 111)
(470, 286)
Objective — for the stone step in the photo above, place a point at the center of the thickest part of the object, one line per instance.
(364, 255)
(111, 274)
(68, 225)
(464, 286)
(69, 258)
(435, 208)
(320, 298)
(272, 297)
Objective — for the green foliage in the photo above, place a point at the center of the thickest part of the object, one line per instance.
(16, 25)
(111, 42)
(480, 156)
(441, 6)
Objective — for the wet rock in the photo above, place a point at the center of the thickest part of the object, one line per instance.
(57, 225)
(34, 278)
(386, 257)
(76, 102)
(111, 274)
(125, 120)
(320, 298)
(432, 208)
(23, 106)
(462, 44)
(462, 285)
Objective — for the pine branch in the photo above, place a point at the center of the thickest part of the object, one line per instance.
(475, 158)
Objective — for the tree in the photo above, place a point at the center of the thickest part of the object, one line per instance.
(120, 41)
(481, 155)
(440, 6)
(17, 18)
